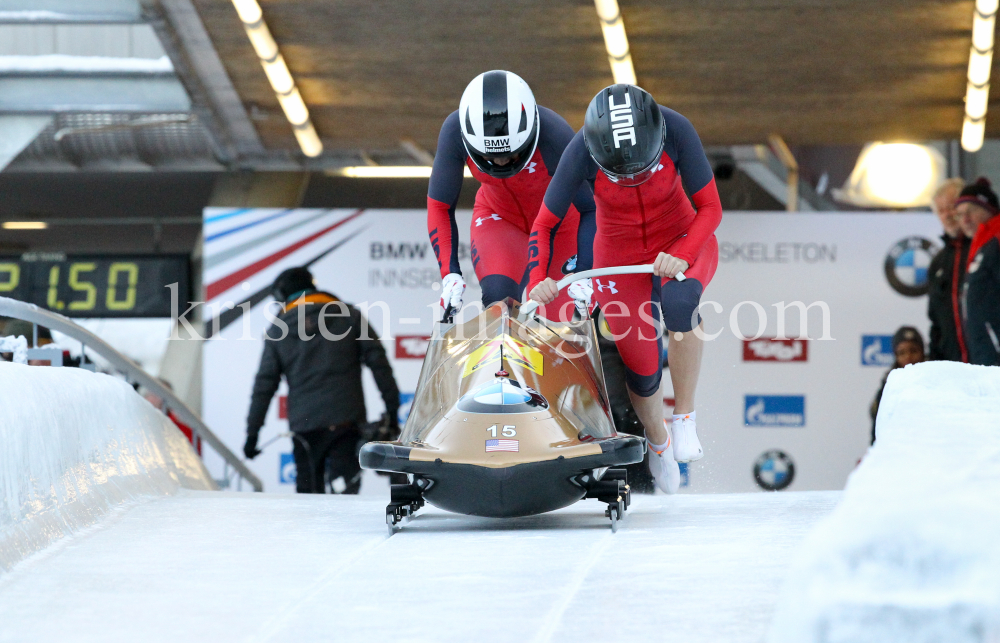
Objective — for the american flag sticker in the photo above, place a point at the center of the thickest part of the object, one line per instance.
(501, 445)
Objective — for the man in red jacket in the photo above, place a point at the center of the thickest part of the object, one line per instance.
(641, 157)
(512, 147)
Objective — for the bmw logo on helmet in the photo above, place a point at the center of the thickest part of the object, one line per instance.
(773, 470)
(907, 263)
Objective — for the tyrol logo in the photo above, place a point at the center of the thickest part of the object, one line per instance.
(907, 263)
(775, 350)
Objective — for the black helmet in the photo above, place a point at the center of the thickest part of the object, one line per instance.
(291, 282)
(499, 120)
(624, 133)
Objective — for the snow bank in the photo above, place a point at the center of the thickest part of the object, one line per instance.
(75, 445)
(912, 553)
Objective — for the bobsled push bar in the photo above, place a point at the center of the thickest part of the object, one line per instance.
(530, 306)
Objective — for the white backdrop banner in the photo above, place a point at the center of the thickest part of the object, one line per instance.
(772, 413)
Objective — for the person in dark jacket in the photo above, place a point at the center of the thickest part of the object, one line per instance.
(978, 207)
(946, 278)
(319, 343)
(908, 347)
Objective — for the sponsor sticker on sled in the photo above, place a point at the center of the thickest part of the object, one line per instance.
(501, 445)
(411, 346)
(775, 350)
(774, 410)
(876, 350)
(515, 352)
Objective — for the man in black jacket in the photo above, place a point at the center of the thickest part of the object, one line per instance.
(946, 278)
(319, 344)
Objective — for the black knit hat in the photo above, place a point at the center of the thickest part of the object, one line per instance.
(981, 194)
(907, 334)
(291, 282)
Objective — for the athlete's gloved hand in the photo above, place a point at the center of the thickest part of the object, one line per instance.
(581, 292)
(452, 289)
(545, 292)
(668, 266)
(250, 449)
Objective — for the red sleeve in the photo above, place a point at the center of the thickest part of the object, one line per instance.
(543, 233)
(709, 215)
(444, 235)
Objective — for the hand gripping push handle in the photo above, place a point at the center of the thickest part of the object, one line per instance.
(529, 306)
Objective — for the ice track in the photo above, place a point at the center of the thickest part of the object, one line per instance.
(210, 566)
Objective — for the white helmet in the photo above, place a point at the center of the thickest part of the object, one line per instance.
(499, 122)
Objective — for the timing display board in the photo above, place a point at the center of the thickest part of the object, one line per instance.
(97, 285)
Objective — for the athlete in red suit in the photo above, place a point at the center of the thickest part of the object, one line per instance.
(512, 148)
(641, 158)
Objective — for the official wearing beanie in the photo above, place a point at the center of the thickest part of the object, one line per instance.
(318, 344)
(977, 207)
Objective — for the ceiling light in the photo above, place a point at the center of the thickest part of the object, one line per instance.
(976, 99)
(615, 41)
(25, 225)
(389, 172)
(249, 11)
(977, 90)
(973, 133)
(308, 139)
(895, 175)
(294, 107)
(279, 76)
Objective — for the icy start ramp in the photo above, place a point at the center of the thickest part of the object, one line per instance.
(912, 554)
(211, 566)
(74, 446)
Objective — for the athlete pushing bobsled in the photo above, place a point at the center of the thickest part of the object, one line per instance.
(512, 147)
(647, 156)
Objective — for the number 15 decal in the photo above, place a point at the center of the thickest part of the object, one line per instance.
(508, 430)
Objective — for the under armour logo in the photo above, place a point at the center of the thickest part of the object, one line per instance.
(493, 216)
(531, 167)
(610, 286)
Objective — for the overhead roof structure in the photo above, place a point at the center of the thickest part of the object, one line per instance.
(815, 71)
(377, 73)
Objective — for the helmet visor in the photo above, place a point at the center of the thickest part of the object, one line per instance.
(630, 180)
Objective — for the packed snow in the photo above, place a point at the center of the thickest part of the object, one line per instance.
(225, 566)
(913, 551)
(75, 445)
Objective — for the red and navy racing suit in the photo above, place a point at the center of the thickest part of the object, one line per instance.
(635, 224)
(504, 212)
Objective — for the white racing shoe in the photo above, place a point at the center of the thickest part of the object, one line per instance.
(687, 447)
(666, 472)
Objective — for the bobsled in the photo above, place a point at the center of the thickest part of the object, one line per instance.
(510, 418)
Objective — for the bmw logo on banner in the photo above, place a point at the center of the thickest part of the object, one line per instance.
(773, 470)
(907, 263)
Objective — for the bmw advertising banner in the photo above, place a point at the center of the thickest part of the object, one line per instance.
(797, 321)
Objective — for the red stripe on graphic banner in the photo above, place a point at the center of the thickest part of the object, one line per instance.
(216, 288)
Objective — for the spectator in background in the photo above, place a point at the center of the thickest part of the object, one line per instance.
(947, 275)
(977, 207)
(908, 347)
(320, 354)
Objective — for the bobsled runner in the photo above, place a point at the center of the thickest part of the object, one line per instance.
(510, 418)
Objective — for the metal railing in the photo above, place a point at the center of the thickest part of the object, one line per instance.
(134, 373)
